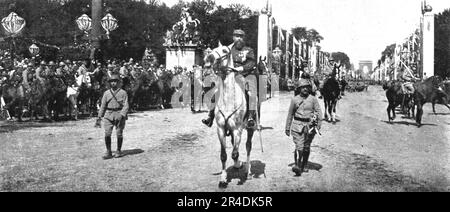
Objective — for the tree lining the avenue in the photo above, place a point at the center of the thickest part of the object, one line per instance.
(141, 25)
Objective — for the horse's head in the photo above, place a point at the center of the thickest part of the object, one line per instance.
(219, 58)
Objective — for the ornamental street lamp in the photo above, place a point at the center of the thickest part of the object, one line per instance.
(109, 23)
(84, 23)
(13, 23)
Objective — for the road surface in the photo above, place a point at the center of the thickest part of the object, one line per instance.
(170, 150)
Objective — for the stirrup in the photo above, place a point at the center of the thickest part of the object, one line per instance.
(251, 124)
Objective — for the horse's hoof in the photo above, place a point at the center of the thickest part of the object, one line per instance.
(223, 184)
(249, 177)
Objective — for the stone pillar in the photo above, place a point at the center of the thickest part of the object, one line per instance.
(428, 44)
(263, 37)
(185, 56)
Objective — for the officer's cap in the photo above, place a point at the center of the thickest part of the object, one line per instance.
(239, 32)
(114, 77)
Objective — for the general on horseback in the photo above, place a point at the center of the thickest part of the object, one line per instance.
(244, 63)
(232, 111)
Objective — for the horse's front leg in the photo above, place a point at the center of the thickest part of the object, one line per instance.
(248, 146)
(330, 110)
(389, 113)
(333, 115)
(326, 108)
(223, 157)
(419, 114)
(235, 154)
(433, 104)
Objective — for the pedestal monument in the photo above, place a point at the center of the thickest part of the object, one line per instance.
(183, 43)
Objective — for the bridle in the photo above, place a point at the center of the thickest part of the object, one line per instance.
(220, 58)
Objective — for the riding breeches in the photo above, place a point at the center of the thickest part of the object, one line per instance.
(302, 140)
(119, 124)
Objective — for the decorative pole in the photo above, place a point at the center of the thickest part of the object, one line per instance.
(96, 26)
(263, 37)
(428, 40)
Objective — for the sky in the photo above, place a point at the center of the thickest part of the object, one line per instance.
(360, 28)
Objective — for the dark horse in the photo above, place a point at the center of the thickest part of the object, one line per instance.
(428, 91)
(330, 93)
(395, 98)
(442, 99)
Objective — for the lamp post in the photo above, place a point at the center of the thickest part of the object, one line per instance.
(13, 24)
(109, 23)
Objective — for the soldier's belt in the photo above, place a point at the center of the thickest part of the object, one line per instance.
(302, 119)
(114, 109)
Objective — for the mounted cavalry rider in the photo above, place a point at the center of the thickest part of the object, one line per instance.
(408, 81)
(244, 63)
(334, 72)
(83, 76)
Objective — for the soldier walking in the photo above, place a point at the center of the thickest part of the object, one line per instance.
(114, 110)
(303, 122)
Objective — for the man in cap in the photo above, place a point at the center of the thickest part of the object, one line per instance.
(244, 63)
(304, 117)
(114, 110)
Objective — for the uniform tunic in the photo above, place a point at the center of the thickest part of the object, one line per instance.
(114, 112)
(245, 58)
(301, 110)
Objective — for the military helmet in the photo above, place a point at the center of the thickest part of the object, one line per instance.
(114, 77)
(302, 83)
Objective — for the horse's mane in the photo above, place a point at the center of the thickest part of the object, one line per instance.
(435, 80)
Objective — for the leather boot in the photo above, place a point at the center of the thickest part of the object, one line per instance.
(119, 147)
(108, 154)
(209, 121)
(304, 163)
(297, 169)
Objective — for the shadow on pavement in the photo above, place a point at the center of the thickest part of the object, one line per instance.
(439, 114)
(314, 166)
(9, 127)
(407, 123)
(310, 166)
(132, 152)
(257, 169)
(266, 128)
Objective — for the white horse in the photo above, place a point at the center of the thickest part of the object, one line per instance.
(230, 109)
